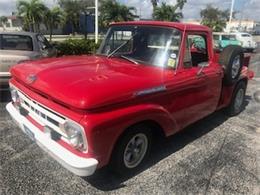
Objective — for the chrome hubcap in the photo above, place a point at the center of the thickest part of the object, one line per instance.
(235, 67)
(135, 150)
(239, 100)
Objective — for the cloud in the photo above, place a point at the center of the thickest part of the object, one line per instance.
(9, 6)
(6, 7)
(249, 8)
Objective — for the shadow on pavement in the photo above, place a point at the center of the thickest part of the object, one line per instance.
(5, 96)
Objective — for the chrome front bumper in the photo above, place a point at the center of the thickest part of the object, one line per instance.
(76, 164)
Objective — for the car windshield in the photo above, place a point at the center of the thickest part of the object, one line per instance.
(245, 35)
(16, 42)
(158, 46)
(229, 37)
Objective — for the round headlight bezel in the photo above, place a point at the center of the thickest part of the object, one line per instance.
(75, 135)
(15, 96)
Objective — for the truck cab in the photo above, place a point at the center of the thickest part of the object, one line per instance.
(148, 78)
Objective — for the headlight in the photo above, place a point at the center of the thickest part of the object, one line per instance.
(76, 135)
(15, 96)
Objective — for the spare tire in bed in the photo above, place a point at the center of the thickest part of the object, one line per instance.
(231, 58)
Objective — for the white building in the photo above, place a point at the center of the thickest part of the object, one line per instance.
(242, 25)
(13, 23)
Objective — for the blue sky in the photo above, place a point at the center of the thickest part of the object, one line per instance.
(248, 9)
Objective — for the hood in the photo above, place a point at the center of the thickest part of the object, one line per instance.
(87, 82)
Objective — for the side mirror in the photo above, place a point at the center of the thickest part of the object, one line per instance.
(44, 47)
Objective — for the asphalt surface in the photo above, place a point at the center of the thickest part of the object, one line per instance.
(217, 155)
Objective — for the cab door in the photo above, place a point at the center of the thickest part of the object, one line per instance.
(197, 84)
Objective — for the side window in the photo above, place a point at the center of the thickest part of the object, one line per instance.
(16, 42)
(196, 52)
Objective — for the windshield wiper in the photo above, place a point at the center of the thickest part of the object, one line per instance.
(120, 46)
(129, 59)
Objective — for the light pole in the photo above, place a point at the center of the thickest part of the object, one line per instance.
(96, 21)
(231, 14)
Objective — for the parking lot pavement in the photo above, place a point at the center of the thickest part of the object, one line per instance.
(217, 155)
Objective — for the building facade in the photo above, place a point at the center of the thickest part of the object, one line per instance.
(13, 23)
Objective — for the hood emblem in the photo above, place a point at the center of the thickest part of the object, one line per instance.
(31, 78)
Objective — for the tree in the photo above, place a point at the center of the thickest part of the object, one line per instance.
(169, 13)
(3, 21)
(113, 11)
(214, 18)
(72, 9)
(53, 18)
(154, 3)
(33, 12)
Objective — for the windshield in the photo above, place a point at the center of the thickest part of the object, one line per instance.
(156, 46)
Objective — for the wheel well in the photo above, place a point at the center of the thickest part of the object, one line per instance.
(156, 128)
(157, 132)
(245, 80)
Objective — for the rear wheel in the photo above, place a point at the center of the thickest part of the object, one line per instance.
(132, 149)
(238, 99)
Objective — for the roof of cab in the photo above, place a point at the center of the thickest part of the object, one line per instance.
(178, 25)
(18, 33)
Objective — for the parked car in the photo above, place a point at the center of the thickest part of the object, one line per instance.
(16, 47)
(222, 40)
(246, 41)
(108, 109)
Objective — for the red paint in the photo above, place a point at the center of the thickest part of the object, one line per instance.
(100, 93)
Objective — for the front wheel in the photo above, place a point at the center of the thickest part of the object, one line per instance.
(238, 99)
(132, 150)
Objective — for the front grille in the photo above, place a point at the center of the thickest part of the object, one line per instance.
(42, 115)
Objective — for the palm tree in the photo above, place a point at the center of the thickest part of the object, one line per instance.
(53, 18)
(33, 12)
(154, 3)
(113, 11)
(214, 18)
(72, 9)
(169, 13)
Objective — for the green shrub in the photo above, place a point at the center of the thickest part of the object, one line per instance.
(76, 47)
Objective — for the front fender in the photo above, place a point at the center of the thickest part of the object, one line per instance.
(103, 129)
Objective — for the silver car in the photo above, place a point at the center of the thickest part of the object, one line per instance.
(16, 47)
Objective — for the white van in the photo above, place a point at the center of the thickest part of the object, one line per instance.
(246, 41)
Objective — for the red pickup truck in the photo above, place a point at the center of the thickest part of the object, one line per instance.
(147, 79)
